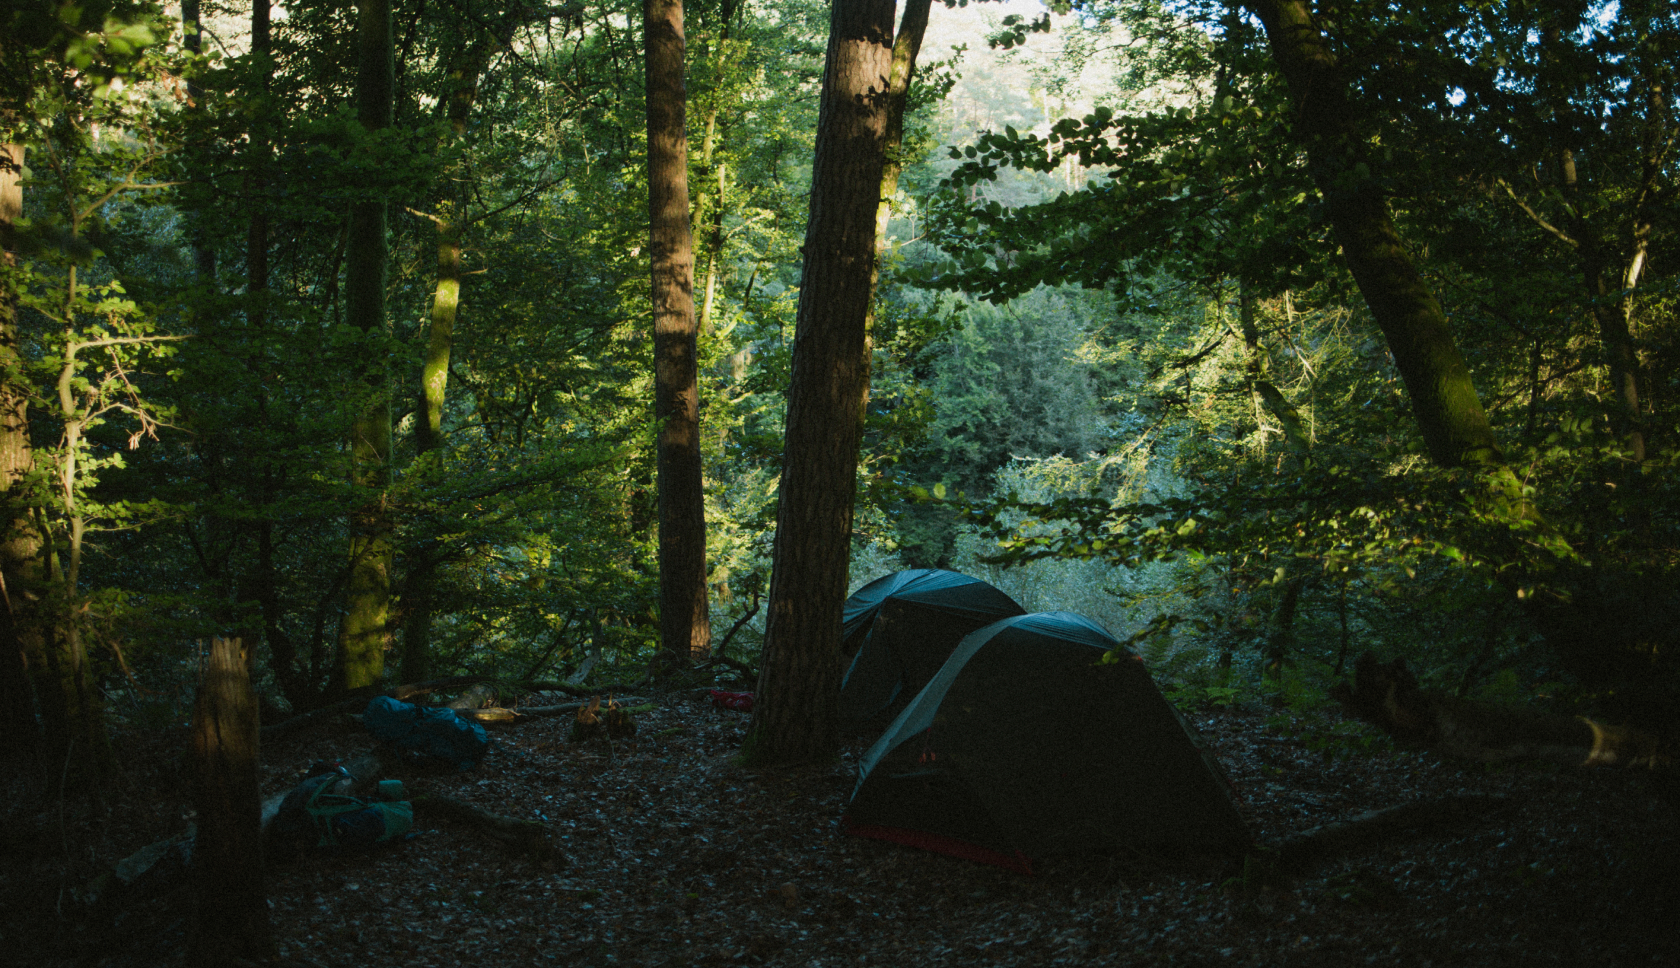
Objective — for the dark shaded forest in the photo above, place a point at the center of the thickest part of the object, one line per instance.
(1325, 354)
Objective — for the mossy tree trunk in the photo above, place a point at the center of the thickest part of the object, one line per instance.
(1444, 402)
(420, 586)
(368, 593)
(795, 716)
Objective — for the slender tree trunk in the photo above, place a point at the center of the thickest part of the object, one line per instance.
(258, 583)
(232, 920)
(1611, 307)
(20, 542)
(795, 717)
(685, 621)
(256, 184)
(906, 45)
(1444, 401)
(75, 715)
(368, 595)
(1282, 640)
(1268, 399)
(711, 206)
(1257, 359)
(420, 587)
(204, 254)
(1608, 293)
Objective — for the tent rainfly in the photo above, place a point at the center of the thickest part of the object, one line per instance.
(899, 630)
(1026, 744)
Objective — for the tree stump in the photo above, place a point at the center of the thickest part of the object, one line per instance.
(232, 908)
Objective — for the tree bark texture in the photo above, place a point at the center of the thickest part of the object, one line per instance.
(1444, 401)
(20, 542)
(368, 593)
(795, 715)
(685, 620)
(232, 918)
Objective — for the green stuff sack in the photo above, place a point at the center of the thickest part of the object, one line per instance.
(350, 822)
(313, 816)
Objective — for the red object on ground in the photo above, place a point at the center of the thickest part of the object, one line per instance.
(738, 701)
(939, 843)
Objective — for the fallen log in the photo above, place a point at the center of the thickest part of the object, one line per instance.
(409, 691)
(1298, 854)
(1388, 696)
(531, 836)
(489, 714)
(498, 714)
(291, 724)
(571, 690)
(473, 698)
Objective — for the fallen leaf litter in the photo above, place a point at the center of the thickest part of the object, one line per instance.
(674, 856)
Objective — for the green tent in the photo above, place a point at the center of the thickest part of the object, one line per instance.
(1026, 744)
(901, 628)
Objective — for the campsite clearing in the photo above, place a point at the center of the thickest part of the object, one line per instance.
(678, 858)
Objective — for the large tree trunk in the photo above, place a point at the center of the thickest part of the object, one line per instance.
(368, 595)
(795, 716)
(20, 542)
(1444, 401)
(232, 917)
(685, 620)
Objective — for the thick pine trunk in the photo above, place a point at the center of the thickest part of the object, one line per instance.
(685, 621)
(1444, 401)
(795, 716)
(368, 594)
(232, 919)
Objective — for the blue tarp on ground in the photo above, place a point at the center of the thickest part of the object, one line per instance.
(435, 732)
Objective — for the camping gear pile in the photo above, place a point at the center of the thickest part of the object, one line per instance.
(319, 813)
(1017, 736)
(427, 730)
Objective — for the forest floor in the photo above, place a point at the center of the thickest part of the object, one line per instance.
(674, 856)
